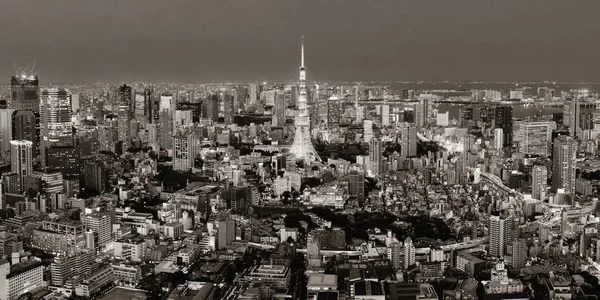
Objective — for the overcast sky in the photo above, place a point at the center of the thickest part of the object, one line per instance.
(354, 40)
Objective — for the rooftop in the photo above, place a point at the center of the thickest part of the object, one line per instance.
(368, 288)
(322, 279)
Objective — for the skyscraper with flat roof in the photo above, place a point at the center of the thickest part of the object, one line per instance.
(563, 164)
(539, 179)
(21, 160)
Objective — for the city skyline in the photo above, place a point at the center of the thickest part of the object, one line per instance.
(233, 41)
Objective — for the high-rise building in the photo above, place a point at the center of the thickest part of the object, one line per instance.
(182, 118)
(279, 109)
(333, 111)
(385, 115)
(226, 232)
(536, 138)
(25, 92)
(229, 109)
(101, 224)
(56, 125)
(26, 127)
(184, 150)
(123, 125)
(422, 112)
(498, 139)
(500, 234)
(61, 237)
(356, 185)
(409, 253)
(65, 160)
(503, 118)
(210, 108)
(519, 253)
(5, 131)
(94, 177)
(302, 148)
(395, 251)
(563, 164)
(21, 158)
(408, 138)
(376, 156)
(539, 182)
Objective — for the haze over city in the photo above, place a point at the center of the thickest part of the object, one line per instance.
(350, 40)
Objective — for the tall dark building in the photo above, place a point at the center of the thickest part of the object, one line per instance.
(333, 112)
(558, 117)
(125, 97)
(94, 177)
(25, 93)
(356, 185)
(64, 160)
(196, 109)
(503, 118)
(26, 126)
(210, 108)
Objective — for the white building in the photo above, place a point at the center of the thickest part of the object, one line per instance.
(19, 279)
(443, 119)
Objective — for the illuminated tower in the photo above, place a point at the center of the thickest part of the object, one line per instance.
(302, 148)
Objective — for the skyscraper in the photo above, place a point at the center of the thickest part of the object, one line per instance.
(503, 118)
(408, 138)
(539, 179)
(25, 91)
(302, 148)
(26, 127)
(519, 253)
(229, 109)
(409, 253)
(563, 164)
(21, 158)
(376, 156)
(422, 113)
(279, 109)
(498, 139)
(5, 131)
(226, 232)
(94, 177)
(56, 125)
(101, 224)
(356, 185)
(333, 112)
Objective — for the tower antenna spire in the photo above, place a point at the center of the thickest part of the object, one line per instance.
(302, 58)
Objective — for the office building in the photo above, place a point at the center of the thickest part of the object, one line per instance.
(385, 115)
(408, 140)
(26, 127)
(334, 108)
(70, 268)
(229, 109)
(536, 137)
(21, 158)
(62, 237)
(101, 224)
(184, 152)
(65, 160)
(95, 282)
(226, 232)
(94, 176)
(25, 92)
(539, 182)
(210, 108)
(422, 112)
(498, 139)
(356, 185)
(563, 164)
(279, 110)
(56, 125)
(376, 156)
(503, 118)
(5, 131)
(20, 279)
(409, 253)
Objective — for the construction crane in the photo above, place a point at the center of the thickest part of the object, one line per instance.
(26, 72)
